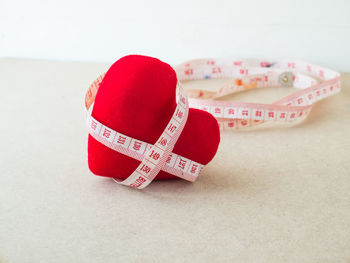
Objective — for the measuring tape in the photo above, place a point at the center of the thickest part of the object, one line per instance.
(313, 82)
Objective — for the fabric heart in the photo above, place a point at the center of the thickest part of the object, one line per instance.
(137, 97)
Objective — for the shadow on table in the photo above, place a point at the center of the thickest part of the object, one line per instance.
(211, 183)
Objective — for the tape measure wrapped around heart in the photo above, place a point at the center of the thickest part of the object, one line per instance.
(141, 130)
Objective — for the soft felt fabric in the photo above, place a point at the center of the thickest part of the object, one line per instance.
(137, 97)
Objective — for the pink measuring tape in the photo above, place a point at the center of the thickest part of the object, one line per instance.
(314, 83)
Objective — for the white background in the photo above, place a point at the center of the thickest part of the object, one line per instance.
(175, 31)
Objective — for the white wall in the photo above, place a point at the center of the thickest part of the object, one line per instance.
(318, 31)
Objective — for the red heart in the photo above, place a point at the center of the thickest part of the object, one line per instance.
(137, 97)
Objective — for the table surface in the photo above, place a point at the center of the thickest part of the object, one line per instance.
(280, 194)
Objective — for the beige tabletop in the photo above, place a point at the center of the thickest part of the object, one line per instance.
(280, 194)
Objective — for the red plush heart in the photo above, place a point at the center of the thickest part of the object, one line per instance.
(137, 97)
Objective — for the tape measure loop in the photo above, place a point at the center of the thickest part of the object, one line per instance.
(314, 83)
